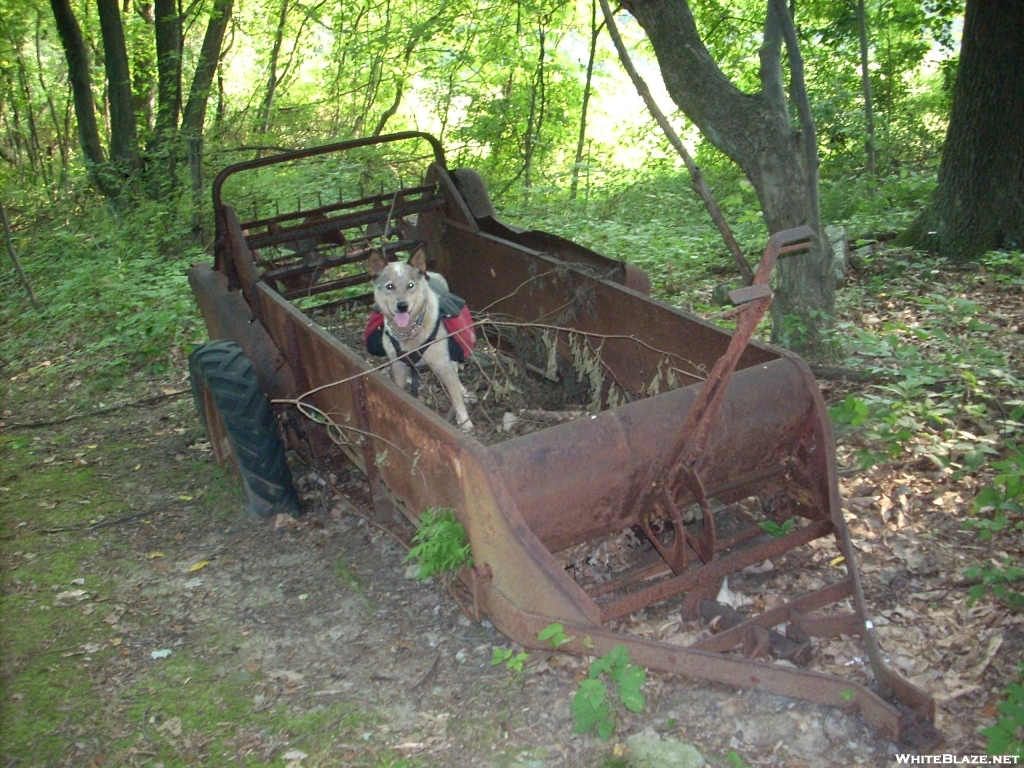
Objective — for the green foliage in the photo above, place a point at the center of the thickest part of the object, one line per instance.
(1004, 738)
(592, 705)
(442, 546)
(937, 373)
(555, 635)
(113, 291)
(513, 661)
(733, 760)
(775, 529)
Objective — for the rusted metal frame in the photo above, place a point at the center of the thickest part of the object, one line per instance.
(656, 565)
(237, 259)
(348, 221)
(722, 566)
(366, 299)
(332, 285)
(730, 638)
(340, 146)
(714, 667)
(680, 469)
(403, 195)
(352, 257)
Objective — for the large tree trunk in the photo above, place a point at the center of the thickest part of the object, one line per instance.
(123, 150)
(198, 95)
(167, 29)
(979, 202)
(756, 132)
(202, 80)
(81, 87)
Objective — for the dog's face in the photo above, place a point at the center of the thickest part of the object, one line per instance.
(400, 289)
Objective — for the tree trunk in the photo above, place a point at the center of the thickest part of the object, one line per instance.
(81, 87)
(58, 128)
(272, 79)
(167, 30)
(595, 32)
(756, 132)
(162, 147)
(206, 66)
(535, 119)
(123, 149)
(865, 79)
(979, 202)
(144, 75)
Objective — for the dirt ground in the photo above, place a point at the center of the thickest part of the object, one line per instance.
(320, 618)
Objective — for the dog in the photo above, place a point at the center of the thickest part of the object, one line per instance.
(418, 318)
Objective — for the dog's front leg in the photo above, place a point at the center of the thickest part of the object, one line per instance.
(448, 373)
(400, 372)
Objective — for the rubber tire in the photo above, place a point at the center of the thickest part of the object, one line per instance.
(221, 370)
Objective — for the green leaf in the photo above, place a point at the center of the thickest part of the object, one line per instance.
(605, 728)
(632, 700)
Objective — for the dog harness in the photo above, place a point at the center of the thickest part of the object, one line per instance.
(454, 313)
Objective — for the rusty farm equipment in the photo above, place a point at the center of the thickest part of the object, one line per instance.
(690, 435)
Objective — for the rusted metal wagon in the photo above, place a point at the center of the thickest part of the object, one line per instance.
(695, 434)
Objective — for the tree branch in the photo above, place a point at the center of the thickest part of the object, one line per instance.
(700, 185)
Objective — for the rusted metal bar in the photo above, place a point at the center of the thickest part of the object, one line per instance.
(375, 200)
(352, 257)
(349, 220)
(331, 285)
(743, 673)
(729, 639)
(718, 568)
(342, 146)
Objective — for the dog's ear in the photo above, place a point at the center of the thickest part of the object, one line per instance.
(375, 263)
(419, 259)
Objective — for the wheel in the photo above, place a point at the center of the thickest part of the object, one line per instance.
(241, 426)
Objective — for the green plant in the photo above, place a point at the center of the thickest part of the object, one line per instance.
(591, 706)
(733, 760)
(775, 529)
(442, 546)
(998, 581)
(1005, 737)
(555, 635)
(513, 661)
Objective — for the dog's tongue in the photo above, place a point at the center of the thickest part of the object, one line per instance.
(402, 318)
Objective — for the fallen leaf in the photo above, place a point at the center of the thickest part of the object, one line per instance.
(162, 654)
(287, 676)
(153, 555)
(70, 596)
(283, 521)
(171, 727)
(199, 566)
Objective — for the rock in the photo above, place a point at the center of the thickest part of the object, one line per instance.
(720, 293)
(651, 752)
(840, 252)
(857, 257)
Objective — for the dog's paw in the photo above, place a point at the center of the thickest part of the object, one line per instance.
(466, 425)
